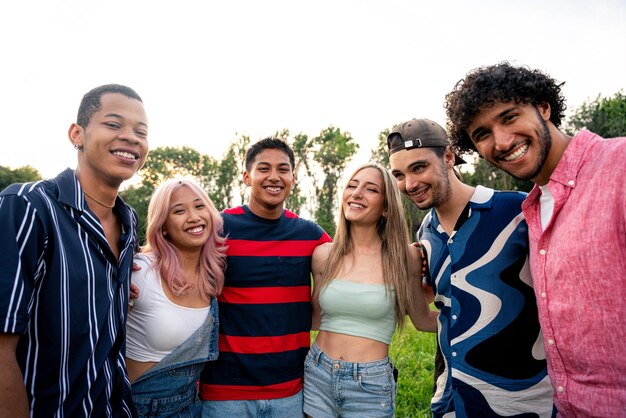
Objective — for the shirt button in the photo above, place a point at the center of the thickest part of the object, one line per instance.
(454, 317)
(561, 389)
(571, 182)
(543, 294)
(450, 241)
(454, 354)
(551, 341)
(542, 252)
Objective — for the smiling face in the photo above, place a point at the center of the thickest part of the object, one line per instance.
(514, 137)
(114, 145)
(271, 179)
(363, 198)
(422, 175)
(188, 224)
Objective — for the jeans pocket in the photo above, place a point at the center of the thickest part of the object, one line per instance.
(308, 361)
(377, 384)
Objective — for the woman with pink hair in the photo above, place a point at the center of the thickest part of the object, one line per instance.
(172, 328)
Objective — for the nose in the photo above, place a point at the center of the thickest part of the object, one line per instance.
(273, 175)
(503, 139)
(411, 182)
(192, 216)
(357, 193)
(128, 135)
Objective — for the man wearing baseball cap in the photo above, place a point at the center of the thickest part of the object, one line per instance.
(476, 246)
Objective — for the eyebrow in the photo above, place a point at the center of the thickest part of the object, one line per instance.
(279, 164)
(500, 115)
(367, 182)
(115, 115)
(182, 204)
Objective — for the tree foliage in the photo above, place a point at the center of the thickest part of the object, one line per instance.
(605, 116)
(332, 150)
(23, 174)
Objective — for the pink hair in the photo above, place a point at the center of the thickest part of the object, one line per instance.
(212, 261)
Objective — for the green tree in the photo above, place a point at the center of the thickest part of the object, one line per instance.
(332, 150)
(605, 116)
(19, 175)
(380, 153)
(489, 176)
(301, 195)
(229, 173)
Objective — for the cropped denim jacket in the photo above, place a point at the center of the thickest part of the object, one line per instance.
(169, 389)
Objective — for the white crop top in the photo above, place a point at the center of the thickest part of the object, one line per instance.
(362, 310)
(156, 325)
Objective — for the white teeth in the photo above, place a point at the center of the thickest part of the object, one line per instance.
(273, 189)
(515, 155)
(356, 205)
(125, 154)
(417, 195)
(196, 229)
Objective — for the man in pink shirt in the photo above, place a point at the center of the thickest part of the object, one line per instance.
(576, 217)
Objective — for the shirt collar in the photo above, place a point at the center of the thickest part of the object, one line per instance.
(71, 194)
(480, 199)
(566, 171)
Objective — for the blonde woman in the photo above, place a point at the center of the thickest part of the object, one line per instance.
(172, 328)
(366, 281)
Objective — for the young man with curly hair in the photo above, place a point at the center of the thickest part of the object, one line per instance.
(576, 216)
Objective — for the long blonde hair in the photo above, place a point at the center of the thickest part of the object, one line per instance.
(397, 261)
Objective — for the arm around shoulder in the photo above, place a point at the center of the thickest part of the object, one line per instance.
(13, 398)
(421, 315)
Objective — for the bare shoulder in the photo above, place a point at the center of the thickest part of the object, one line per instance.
(320, 255)
(322, 250)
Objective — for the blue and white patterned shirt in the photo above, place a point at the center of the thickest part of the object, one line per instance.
(64, 291)
(488, 328)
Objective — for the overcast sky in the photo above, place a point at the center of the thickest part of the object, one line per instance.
(210, 71)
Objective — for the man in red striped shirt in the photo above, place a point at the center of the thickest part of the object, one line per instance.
(265, 307)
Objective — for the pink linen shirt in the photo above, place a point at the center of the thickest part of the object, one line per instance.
(578, 265)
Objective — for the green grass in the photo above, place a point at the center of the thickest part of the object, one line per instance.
(413, 353)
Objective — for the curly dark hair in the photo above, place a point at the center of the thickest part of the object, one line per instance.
(502, 83)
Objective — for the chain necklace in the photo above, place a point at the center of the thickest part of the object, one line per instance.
(99, 202)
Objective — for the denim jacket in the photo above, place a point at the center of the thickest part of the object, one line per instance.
(169, 389)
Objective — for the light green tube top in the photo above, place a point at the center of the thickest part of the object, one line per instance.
(362, 310)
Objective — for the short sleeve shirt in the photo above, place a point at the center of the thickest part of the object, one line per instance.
(488, 328)
(66, 293)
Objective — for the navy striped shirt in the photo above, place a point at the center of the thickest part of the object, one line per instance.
(64, 291)
(265, 307)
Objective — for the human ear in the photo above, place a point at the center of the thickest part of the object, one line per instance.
(246, 178)
(544, 110)
(75, 134)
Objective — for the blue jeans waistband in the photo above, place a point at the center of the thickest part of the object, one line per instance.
(346, 367)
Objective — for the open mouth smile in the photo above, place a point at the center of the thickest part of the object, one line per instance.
(516, 154)
(418, 194)
(195, 230)
(273, 189)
